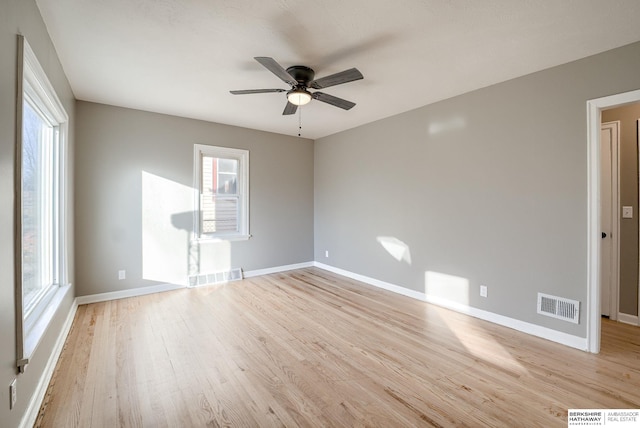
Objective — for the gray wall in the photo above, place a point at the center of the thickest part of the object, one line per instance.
(134, 200)
(628, 115)
(21, 17)
(486, 188)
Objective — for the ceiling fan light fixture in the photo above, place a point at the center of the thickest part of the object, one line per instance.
(299, 97)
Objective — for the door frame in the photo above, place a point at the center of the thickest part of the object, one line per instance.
(594, 122)
(638, 148)
(614, 290)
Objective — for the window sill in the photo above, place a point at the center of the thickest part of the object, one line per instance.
(40, 325)
(215, 239)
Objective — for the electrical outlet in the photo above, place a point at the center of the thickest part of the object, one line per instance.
(483, 291)
(13, 394)
(122, 274)
(326, 253)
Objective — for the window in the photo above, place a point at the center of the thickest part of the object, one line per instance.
(41, 243)
(222, 185)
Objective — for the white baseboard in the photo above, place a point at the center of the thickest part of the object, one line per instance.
(267, 271)
(628, 319)
(132, 292)
(159, 288)
(31, 414)
(375, 282)
(522, 326)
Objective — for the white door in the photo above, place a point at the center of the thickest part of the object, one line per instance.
(609, 219)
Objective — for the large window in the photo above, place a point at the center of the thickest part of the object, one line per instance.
(41, 244)
(222, 184)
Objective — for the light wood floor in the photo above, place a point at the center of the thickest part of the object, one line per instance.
(310, 348)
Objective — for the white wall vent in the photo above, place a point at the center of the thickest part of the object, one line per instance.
(559, 307)
(215, 277)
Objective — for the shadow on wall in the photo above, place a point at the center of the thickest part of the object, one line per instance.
(169, 252)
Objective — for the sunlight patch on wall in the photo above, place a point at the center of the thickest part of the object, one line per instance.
(214, 257)
(449, 287)
(441, 127)
(396, 248)
(165, 242)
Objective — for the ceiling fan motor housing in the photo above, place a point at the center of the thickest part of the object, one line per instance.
(302, 74)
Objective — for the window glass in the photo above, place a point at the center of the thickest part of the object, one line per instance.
(38, 216)
(220, 199)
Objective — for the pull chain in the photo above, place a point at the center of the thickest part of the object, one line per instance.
(299, 121)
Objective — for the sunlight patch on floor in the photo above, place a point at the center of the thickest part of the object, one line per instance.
(479, 343)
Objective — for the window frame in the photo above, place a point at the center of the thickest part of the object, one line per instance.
(35, 89)
(242, 156)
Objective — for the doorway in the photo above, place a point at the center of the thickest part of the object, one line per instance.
(594, 237)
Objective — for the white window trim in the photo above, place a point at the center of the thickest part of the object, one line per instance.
(243, 188)
(34, 85)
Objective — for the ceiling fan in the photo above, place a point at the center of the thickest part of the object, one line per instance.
(301, 78)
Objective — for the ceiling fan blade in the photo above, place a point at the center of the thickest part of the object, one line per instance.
(337, 79)
(290, 108)
(256, 91)
(334, 101)
(273, 66)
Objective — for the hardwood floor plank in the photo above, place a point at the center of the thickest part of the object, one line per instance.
(311, 348)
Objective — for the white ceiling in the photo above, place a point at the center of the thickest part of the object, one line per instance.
(182, 57)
